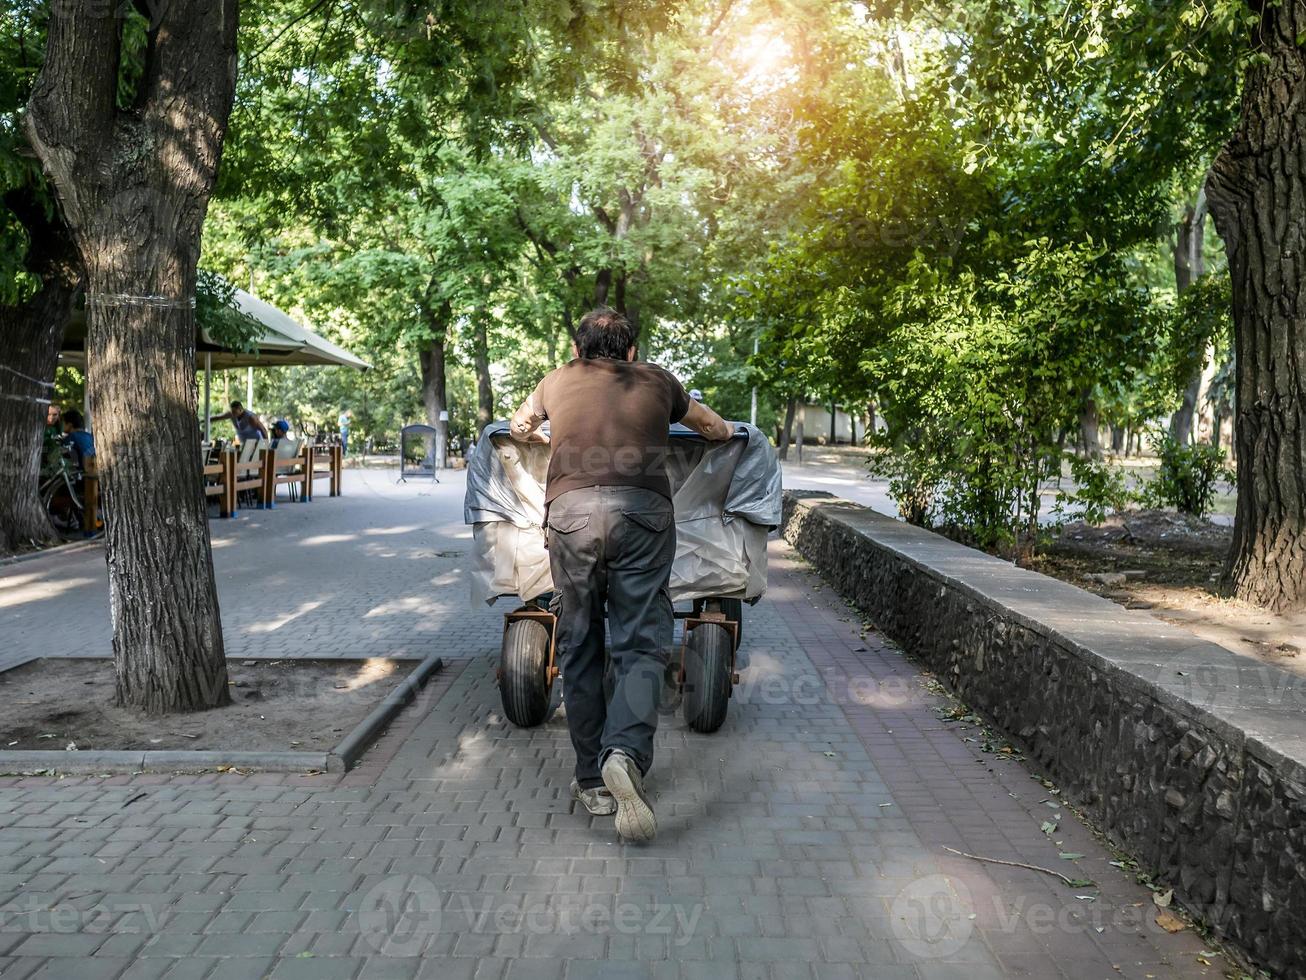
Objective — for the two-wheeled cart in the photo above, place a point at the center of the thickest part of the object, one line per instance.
(726, 498)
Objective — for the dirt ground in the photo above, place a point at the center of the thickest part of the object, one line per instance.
(1170, 566)
(277, 705)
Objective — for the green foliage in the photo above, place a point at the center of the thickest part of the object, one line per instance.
(217, 315)
(980, 377)
(961, 212)
(1099, 490)
(1188, 475)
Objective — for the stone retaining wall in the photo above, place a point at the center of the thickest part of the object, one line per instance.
(1191, 757)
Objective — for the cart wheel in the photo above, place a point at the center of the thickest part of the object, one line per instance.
(734, 610)
(524, 684)
(707, 677)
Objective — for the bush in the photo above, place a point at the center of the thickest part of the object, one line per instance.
(1187, 477)
(1099, 490)
(979, 378)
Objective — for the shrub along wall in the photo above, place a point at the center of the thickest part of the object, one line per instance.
(1190, 756)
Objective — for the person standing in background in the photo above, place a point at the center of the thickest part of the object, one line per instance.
(342, 424)
(248, 426)
(52, 441)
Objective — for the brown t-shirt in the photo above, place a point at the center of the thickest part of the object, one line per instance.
(608, 423)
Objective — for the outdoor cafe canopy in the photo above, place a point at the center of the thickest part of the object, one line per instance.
(283, 343)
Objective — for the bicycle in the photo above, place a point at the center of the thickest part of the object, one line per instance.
(61, 495)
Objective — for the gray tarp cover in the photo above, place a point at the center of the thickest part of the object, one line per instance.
(726, 496)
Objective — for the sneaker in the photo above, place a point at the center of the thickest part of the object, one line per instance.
(597, 800)
(635, 819)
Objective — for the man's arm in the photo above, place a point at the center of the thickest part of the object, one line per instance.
(263, 429)
(707, 423)
(525, 421)
(220, 418)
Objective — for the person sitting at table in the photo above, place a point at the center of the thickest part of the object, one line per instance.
(280, 430)
(248, 426)
(77, 439)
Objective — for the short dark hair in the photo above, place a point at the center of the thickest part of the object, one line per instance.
(604, 332)
(74, 418)
(236, 404)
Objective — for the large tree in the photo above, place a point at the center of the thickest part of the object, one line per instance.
(38, 275)
(31, 328)
(1257, 193)
(133, 160)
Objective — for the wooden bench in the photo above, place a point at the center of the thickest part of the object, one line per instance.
(269, 472)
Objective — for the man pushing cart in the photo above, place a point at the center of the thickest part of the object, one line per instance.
(603, 429)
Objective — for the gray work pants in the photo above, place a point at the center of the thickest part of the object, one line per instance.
(611, 548)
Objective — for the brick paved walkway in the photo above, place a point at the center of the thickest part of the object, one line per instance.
(805, 839)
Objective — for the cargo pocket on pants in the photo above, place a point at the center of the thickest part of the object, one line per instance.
(654, 521)
(564, 524)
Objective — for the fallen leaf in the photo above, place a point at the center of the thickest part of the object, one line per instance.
(1070, 856)
(1170, 922)
(1049, 827)
(1162, 899)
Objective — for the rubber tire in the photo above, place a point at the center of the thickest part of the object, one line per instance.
(734, 610)
(707, 678)
(523, 674)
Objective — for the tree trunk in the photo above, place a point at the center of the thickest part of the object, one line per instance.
(134, 187)
(434, 385)
(1257, 190)
(1118, 433)
(785, 434)
(484, 391)
(30, 335)
(1189, 266)
(834, 423)
(602, 286)
(1088, 426)
(1204, 419)
(1181, 422)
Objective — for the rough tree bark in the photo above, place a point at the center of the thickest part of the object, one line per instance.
(1257, 194)
(786, 433)
(435, 398)
(484, 390)
(1189, 266)
(1089, 426)
(30, 333)
(134, 186)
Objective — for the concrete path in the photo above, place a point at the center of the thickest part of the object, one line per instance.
(376, 572)
(805, 839)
